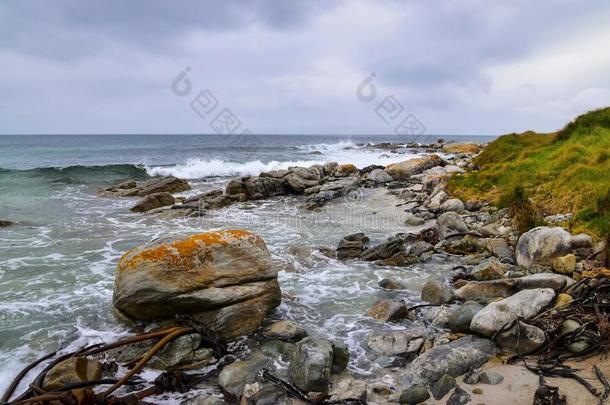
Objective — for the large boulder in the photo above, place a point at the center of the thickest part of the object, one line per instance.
(223, 279)
(406, 169)
(311, 365)
(455, 358)
(543, 244)
(525, 304)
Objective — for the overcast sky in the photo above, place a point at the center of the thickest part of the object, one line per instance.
(460, 67)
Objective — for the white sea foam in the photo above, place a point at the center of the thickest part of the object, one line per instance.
(342, 152)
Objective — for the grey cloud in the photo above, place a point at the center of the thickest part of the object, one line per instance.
(284, 66)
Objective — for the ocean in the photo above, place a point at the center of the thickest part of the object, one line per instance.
(57, 264)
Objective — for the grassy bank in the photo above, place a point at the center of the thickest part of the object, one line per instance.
(561, 172)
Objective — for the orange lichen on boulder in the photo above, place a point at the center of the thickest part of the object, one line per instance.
(348, 168)
(178, 252)
(468, 148)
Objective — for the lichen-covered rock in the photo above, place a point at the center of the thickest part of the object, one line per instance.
(406, 169)
(543, 244)
(565, 264)
(223, 279)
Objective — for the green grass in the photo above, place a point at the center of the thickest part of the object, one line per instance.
(566, 171)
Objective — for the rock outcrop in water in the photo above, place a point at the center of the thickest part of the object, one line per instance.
(224, 280)
(5, 224)
(130, 188)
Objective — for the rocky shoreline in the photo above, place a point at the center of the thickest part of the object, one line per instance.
(218, 289)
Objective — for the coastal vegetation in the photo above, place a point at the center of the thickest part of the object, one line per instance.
(537, 174)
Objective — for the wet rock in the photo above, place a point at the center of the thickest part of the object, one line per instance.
(442, 387)
(204, 400)
(436, 292)
(352, 246)
(450, 223)
(340, 357)
(168, 184)
(311, 365)
(521, 338)
(390, 284)
(413, 220)
(4, 223)
(408, 168)
(332, 190)
(299, 184)
(330, 167)
(223, 279)
(524, 304)
(489, 269)
(416, 394)
(395, 342)
(460, 397)
(383, 251)
(489, 290)
(460, 319)
(256, 188)
(349, 388)
(490, 377)
(234, 377)
(543, 244)
(454, 205)
(437, 316)
(287, 331)
(379, 176)
(276, 174)
(72, 370)
(268, 394)
(454, 358)
(278, 349)
(565, 264)
(182, 353)
(153, 201)
(387, 310)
